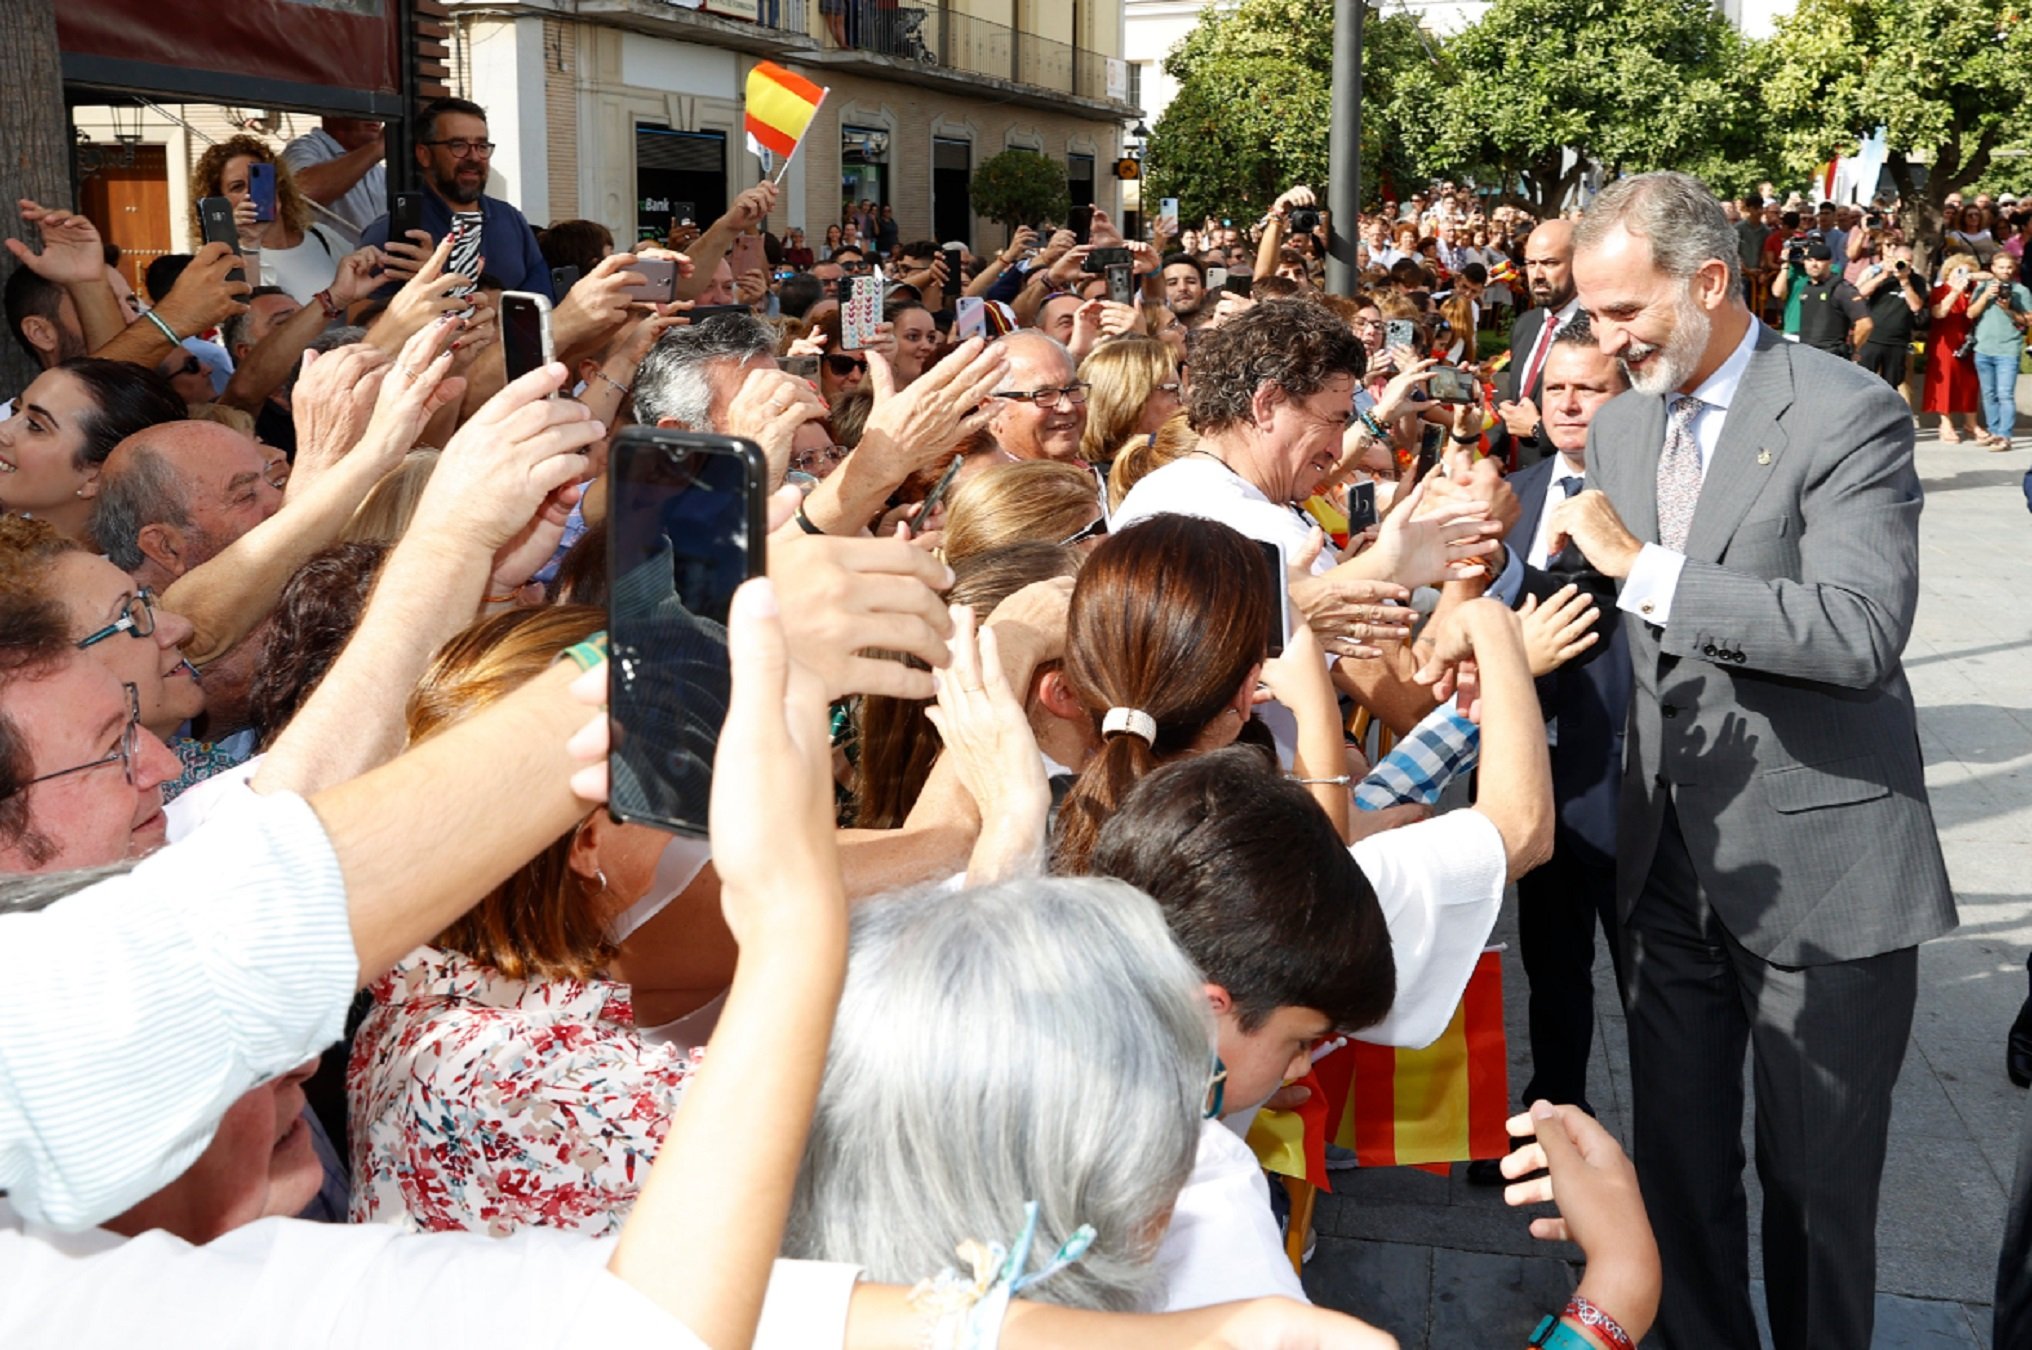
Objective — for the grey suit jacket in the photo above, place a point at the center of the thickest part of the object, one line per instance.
(1772, 709)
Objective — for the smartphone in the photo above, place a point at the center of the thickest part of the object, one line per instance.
(261, 188)
(803, 367)
(1400, 333)
(563, 279)
(405, 213)
(1451, 384)
(1167, 209)
(525, 332)
(860, 312)
(215, 216)
(955, 268)
(1429, 441)
(937, 493)
(684, 529)
(972, 312)
(684, 215)
(1121, 285)
(1101, 259)
(1080, 220)
(745, 255)
(659, 281)
(1280, 596)
(1216, 278)
(1239, 283)
(1361, 507)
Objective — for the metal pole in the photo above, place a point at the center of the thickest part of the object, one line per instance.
(1344, 147)
(400, 136)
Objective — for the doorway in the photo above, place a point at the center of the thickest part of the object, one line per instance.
(952, 176)
(130, 205)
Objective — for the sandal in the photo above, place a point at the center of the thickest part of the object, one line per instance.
(1948, 435)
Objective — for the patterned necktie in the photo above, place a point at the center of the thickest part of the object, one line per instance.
(1569, 561)
(1679, 474)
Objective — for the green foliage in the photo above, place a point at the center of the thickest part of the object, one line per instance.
(1018, 187)
(1948, 79)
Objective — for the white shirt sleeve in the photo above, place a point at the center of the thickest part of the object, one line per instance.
(1654, 577)
(1440, 884)
(137, 1010)
(301, 1284)
(1222, 1244)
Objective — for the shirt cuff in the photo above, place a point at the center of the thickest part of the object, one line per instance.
(1648, 591)
(1508, 586)
(807, 1304)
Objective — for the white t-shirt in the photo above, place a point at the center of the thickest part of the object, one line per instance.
(1222, 1244)
(1199, 485)
(364, 202)
(1440, 884)
(308, 268)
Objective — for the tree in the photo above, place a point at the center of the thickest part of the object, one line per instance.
(1020, 187)
(34, 149)
(1947, 80)
(1535, 90)
(1254, 102)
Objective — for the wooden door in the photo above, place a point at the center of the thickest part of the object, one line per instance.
(130, 205)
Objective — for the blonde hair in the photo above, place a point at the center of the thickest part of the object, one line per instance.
(1038, 499)
(290, 206)
(1121, 375)
(384, 516)
(1954, 260)
(1140, 456)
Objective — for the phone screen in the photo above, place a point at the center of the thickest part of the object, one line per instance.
(525, 332)
(261, 187)
(1450, 384)
(1280, 596)
(1121, 284)
(685, 529)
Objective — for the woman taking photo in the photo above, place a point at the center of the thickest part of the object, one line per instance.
(289, 249)
(1951, 388)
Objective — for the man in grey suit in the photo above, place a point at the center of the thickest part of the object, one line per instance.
(1777, 863)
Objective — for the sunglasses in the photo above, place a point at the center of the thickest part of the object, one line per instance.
(1097, 530)
(843, 366)
(191, 366)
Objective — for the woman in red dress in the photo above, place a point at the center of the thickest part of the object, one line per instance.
(1951, 386)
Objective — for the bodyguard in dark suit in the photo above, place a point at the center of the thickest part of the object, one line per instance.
(1548, 273)
(1777, 859)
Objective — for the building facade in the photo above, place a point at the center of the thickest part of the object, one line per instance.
(629, 112)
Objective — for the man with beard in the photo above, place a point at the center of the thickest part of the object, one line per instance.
(452, 155)
(1777, 863)
(1548, 268)
(1185, 288)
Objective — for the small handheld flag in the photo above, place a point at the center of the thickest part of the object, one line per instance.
(780, 106)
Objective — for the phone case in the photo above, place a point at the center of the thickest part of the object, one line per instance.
(973, 317)
(861, 312)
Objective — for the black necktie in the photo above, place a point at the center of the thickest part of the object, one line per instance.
(1569, 561)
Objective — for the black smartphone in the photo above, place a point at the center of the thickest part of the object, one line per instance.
(525, 332)
(1429, 441)
(1101, 259)
(803, 367)
(261, 188)
(1239, 283)
(659, 281)
(1361, 507)
(1451, 384)
(685, 528)
(937, 493)
(1080, 220)
(215, 217)
(563, 279)
(405, 213)
(1280, 596)
(955, 270)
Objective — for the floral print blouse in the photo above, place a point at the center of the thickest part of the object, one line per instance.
(486, 1104)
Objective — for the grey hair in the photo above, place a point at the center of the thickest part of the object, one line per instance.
(1680, 217)
(235, 331)
(324, 344)
(1038, 335)
(1042, 1039)
(675, 379)
(31, 892)
(144, 492)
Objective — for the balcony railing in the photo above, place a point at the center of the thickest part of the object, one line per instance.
(964, 44)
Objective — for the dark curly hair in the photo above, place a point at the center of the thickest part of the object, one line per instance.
(313, 621)
(1297, 345)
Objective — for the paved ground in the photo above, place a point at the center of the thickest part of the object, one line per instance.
(1441, 1263)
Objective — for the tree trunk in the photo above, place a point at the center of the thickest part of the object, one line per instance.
(34, 147)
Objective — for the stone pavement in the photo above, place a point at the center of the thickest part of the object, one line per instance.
(1438, 1262)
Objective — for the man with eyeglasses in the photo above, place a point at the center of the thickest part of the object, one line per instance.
(452, 158)
(1040, 410)
(80, 777)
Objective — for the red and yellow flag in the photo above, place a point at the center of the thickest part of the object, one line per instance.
(780, 107)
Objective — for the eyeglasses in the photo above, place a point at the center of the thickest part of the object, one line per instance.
(191, 366)
(1169, 387)
(138, 620)
(1097, 530)
(1074, 393)
(124, 752)
(463, 148)
(843, 366)
(807, 460)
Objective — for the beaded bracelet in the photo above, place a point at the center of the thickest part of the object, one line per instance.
(1597, 1321)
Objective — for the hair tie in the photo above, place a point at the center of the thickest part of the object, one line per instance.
(1132, 720)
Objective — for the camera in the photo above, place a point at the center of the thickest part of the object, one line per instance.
(1901, 267)
(1304, 220)
(1795, 253)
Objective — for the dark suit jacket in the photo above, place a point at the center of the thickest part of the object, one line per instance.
(1524, 331)
(1772, 710)
(1588, 699)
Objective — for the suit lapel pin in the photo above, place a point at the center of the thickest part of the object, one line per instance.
(1763, 456)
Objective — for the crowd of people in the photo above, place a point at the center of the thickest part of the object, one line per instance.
(1139, 699)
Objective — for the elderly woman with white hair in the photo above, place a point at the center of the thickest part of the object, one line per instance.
(1038, 1040)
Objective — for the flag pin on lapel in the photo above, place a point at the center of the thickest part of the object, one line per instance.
(1763, 456)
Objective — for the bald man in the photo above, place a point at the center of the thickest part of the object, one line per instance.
(1548, 269)
(1029, 426)
(177, 495)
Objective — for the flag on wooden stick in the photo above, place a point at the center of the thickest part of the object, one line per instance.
(780, 107)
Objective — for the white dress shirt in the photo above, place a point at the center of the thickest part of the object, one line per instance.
(137, 1010)
(1647, 592)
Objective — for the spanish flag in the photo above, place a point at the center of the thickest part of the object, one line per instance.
(780, 107)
